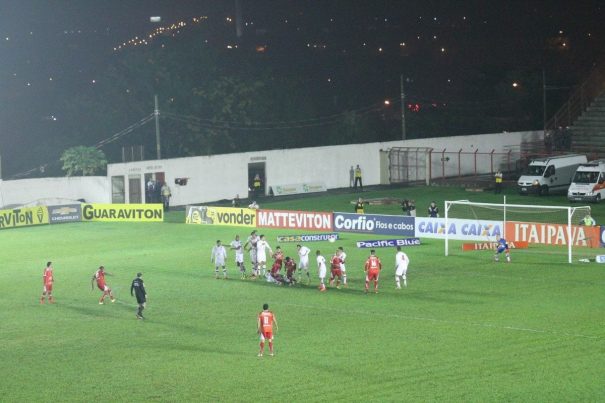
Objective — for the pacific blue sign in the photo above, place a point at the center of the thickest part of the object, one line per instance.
(374, 224)
(388, 243)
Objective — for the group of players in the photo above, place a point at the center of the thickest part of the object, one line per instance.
(137, 288)
(259, 251)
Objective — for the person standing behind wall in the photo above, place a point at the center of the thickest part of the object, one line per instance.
(358, 178)
(351, 176)
(256, 185)
(498, 177)
(166, 194)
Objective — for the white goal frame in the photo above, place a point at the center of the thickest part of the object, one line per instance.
(570, 212)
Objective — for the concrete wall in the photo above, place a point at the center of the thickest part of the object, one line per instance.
(223, 176)
(93, 189)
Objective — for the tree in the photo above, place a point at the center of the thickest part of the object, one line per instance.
(83, 160)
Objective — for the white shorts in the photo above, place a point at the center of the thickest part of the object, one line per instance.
(343, 268)
(219, 262)
(261, 256)
(304, 263)
(253, 256)
(401, 270)
(239, 258)
(322, 273)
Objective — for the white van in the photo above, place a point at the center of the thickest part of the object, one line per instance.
(550, 174)
(588, 183)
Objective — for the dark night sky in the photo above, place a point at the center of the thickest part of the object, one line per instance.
(50, 50)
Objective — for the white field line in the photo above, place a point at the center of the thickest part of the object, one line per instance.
(450, 322)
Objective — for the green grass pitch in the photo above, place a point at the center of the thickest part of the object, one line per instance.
(465, 329)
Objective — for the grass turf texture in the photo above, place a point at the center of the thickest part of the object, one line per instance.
(465, 329)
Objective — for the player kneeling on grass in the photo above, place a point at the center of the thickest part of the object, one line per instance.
(502, 247)
(264, 324)
(48, 279)
(321, 270)
(99, 277)
(401, 268)
(335, 269)
(137, 289)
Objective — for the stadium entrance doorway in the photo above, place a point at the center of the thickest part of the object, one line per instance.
(153, 187)
(254, 169)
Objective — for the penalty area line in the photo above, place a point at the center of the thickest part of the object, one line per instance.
(453, 322)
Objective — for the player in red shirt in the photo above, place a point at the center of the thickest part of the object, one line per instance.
(336, 269)
(99, 277)
(277, 264)
(48, 280)
(290, 265)
(265, 322)
(372, 269)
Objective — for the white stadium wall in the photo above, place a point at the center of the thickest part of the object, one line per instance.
(93, 189)
(217, 177)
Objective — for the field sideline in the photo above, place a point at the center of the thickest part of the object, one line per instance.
(465, 329)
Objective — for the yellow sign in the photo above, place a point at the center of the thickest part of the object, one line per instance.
(241, 217)
(23, 217)
(123, 212)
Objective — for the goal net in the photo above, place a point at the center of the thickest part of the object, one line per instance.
(529, 228)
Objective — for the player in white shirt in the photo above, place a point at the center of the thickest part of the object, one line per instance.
(303, 263)
(343, 269)
(252, 241)
(401, 268)
(219, 254)
(236, 245)
(321, 270)
(261, 253)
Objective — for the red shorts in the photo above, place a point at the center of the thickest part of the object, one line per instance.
(266, 335)
(373, 274)
(336, 273)
(48, 287)
(102, 286)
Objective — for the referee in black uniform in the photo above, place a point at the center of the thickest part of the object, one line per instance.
(137, 289)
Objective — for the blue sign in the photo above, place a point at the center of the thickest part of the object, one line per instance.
(602, 236)
(374, 224)
(388, 243)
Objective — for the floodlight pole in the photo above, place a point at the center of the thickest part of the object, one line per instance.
(402, 94)
(156, 113)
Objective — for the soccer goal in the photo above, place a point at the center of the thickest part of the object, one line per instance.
(549, 229)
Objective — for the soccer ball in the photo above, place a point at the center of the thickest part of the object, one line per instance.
(332, 239)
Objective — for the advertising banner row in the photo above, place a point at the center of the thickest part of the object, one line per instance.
(41, 215)
(419, 227)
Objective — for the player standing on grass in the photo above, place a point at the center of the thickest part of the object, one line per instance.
(303, 263)
(261, 253)
(253, 241)
(372, 269)
(278, 261)
(219, 254)
(99, 277)
(343, 269)
(401, 268)
(335, 269)
(48, 279)
(321, 271)
(137, 289)
(236, 245)
(264, 324)
(502, 247)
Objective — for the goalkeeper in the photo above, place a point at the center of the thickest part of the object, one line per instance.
(502, 247)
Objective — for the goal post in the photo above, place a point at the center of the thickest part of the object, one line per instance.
(539, 224)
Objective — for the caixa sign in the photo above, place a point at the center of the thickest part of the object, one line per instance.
(374, 224)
